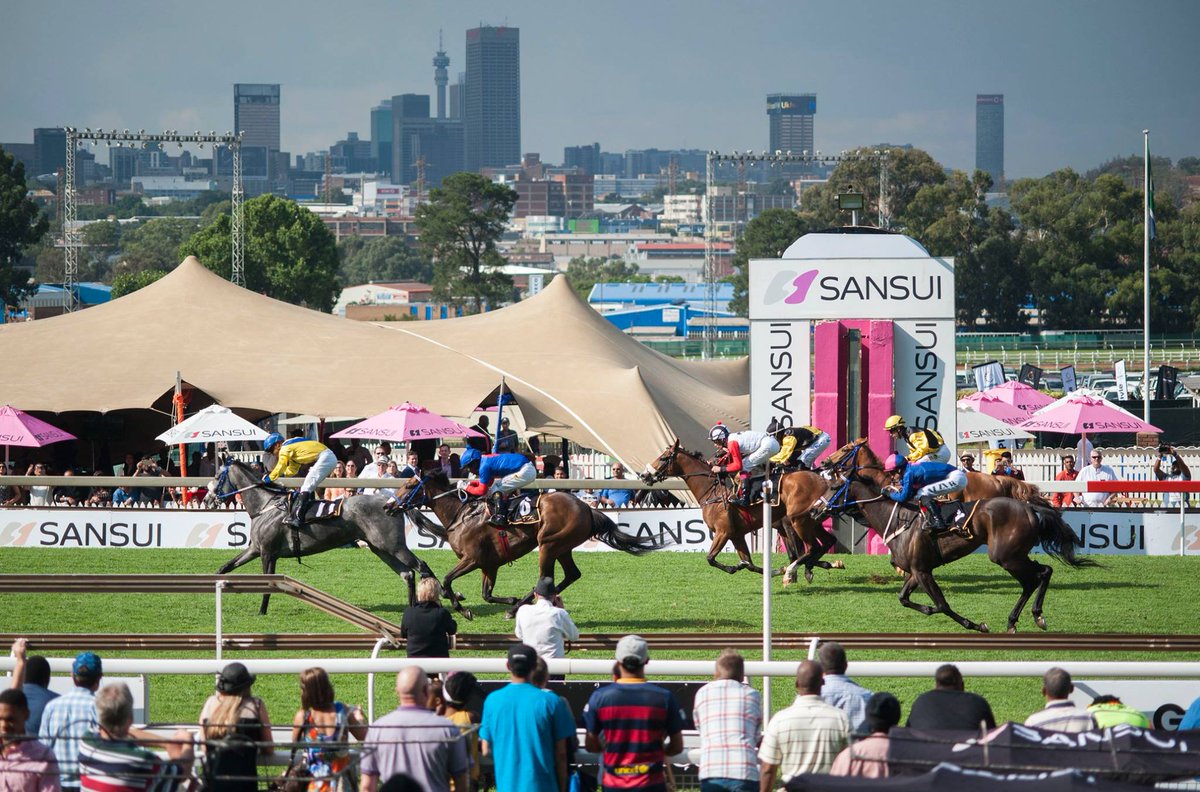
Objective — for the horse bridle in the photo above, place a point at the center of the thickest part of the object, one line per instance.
(840, 501)
(660, 474)
(223, 480)
(409, 501)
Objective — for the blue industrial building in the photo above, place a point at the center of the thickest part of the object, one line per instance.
(606, 297)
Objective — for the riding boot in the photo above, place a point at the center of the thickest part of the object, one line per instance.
(740, 495)
(934, 522)
(499, 510)
(295, 520)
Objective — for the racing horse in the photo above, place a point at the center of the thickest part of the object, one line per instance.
(362, 518)
(566, 522)
(1010, 528)
(798, 493)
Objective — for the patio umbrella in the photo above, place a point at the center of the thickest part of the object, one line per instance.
(983, 402)
(406, 422)
(976, 427)
(213, 423)
(1077, 413)
(19, 428)
(1025, 398)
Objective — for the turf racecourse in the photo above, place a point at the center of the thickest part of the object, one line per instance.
(661, 592)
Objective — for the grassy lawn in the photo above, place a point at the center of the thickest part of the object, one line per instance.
(661, 592)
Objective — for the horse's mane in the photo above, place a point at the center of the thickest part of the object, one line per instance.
(692, 454)
(437, 476)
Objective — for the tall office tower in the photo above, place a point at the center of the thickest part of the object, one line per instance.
(989, 137)
(441, 76)
(416, 136)
(381, 135)
(49, 150)
(493, 97)
(256, 116)
(586, 158)
(458, 95)
(791, 117)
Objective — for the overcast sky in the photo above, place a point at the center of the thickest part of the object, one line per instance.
(1081, 78)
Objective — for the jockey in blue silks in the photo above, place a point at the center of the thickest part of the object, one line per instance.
(499, 475)
(924, 482)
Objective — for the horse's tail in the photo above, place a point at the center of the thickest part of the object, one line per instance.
(1024, 491)
(1057, 538)
(611, 534)
(429, 526)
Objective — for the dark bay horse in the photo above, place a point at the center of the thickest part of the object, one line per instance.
(362, 518)
(566, 522)
(799, 492)
(1010, 529)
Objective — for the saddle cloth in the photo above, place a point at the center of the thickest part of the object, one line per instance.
(958, 516)
(754, 488)
(523, 508)
(319, 510)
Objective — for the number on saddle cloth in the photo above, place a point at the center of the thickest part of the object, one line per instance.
(523, 507)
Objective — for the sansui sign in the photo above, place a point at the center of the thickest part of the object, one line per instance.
(851, 288)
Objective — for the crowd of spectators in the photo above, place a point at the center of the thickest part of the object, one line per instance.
(441, 727)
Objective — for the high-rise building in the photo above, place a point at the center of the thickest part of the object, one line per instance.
(458, 97)
(256, 117)
(441, 76)
(493, 97)
(989, 137)
(381, 135)
(791, 117)
(50, 150)
(586, 158)
(417, 137)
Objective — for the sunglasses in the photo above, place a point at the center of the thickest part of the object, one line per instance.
(1095, 456)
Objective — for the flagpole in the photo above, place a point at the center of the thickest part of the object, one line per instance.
(1146, 223)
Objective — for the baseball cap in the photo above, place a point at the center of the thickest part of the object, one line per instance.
(234, 677)
(521, 658)
(87, 664)
(633, 647)
(545, 588)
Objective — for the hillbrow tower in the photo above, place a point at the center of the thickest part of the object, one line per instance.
(441, 76)
(493, 97)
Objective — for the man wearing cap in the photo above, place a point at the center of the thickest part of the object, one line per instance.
(525, 731)
(378, 467)
(68, 718)
(543, 625)
(413, 740)
(628, 722)
(26, 765)
(966, 463)
(807, 736)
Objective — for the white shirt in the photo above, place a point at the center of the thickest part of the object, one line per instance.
(1091, 473)
(375, 470)
(545, 627)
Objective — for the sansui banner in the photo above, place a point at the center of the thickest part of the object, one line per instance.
(925, 393)
(910, 288)
(780, 387)
(126, 529)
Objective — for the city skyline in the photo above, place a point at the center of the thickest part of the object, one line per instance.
(1080, 79)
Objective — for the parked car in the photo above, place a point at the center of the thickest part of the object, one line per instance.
(1101, 383)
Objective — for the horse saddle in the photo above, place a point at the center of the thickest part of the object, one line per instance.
(754, 488)
(958, 516)
(319, 510)
(523, 508)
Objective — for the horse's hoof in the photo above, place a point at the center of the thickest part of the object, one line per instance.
(466, 614)
(808, 576)
(1012, 629)
(509, 615)
(983, 628)
(837, 565)
(1040, 621)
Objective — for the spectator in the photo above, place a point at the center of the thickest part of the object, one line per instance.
(728, 715)
(323, 722)
(427, 626)
(67, 718)
(148, 468)
(481, 442)
(351, 473)
(31, 675)
(1083, 449)
(1060, 713)
(588, 496)
(506, 440)
(70, 496)
(378, 468)
(411, 739)
(967, 463)
(1109, 710)
(807, 736)
(236, 730)
(868, 757)
(448, 462)
(1068, 473)
(949, 706)
(360, 456)
(457, 691)
(109, 759)
(26, 765)
(100, 495)
(39, 495)
(560, 474)
(629, 720)
(1004, 467)
(1097, 471)
(10, 494)
(540, 678)
(412, 466)
(524, 731)
(543, 625)
(1176, 470)
(334, 492)
(616, 498)
(839, 690)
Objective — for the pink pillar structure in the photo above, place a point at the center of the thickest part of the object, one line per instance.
(831, 363)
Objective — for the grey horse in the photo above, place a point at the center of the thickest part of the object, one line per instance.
(362, 518)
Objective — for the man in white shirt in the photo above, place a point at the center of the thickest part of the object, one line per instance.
(544, 626)
(1060, 713)
(378, 468)
(1096, 471)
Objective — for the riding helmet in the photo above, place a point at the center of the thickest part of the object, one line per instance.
(272, 440)
(469, 456)
(894, 462)
(719, 432)
(895, 422)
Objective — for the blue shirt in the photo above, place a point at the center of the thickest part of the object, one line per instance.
(919, 475)
(500, 465)
(522, 725)
(64, 723)
(1191, 718)
(847, 695)
(38, 697)
(619, 497)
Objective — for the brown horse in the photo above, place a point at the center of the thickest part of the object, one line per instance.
(986, 485)
(566, 522)
(799, 492)
(1010, 529)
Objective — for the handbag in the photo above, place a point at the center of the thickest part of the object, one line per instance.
(294, 779)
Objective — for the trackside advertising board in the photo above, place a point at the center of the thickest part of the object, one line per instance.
(1116, 532)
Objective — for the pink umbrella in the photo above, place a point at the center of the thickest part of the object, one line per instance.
(994, 407)
(19, 428)
(406, 422)
(1025, 398)
(1080, 413)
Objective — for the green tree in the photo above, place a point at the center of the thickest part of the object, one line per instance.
(460, 226)
(289, 255)
(908, 170)
(128, 282)
(102, 240)
(766, 236)
(584, 273)
(380, 259)
(154, 245)
(21, 226)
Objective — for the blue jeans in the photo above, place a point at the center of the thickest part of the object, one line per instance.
(727, 785)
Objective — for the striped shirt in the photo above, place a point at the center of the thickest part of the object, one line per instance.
(64, 721)
(633, 717)
(805, 738)
(728, 715)
(1062, 715)
(122, 766)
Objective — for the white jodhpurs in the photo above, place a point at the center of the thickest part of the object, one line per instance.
(514, 481)
(819, 444)
(955, 482)
(320, 469)
(759, 456)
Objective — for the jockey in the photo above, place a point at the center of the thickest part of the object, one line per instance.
(928, 479)
(742, 453)
(292, 455)
(499, 475)
(923, 444)
(800, 446)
